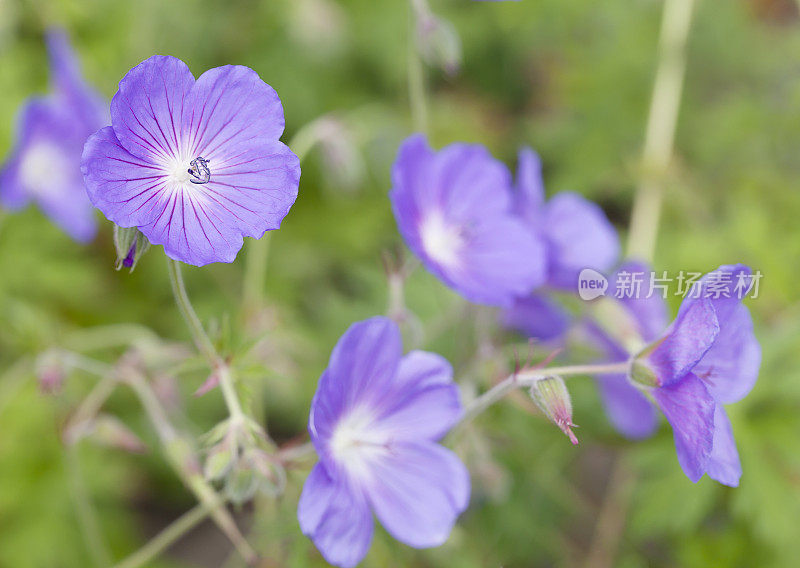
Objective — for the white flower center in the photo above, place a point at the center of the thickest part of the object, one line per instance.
(177, 171)
(441, 241)
(356, 442)
(43, 168)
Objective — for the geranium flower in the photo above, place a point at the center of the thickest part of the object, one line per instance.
(194, 164)
(708, 357)
(576, 234)
(45, 163)
(453, 208)
(374, 422)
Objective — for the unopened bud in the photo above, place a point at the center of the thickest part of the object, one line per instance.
(551, 395)
(131, 244)
(439, 43)
(51, 370)
(219, 461)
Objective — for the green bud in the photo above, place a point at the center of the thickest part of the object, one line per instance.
(551, 395)
(218, 462)
(131, 244)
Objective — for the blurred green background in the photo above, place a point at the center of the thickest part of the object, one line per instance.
(571, 78)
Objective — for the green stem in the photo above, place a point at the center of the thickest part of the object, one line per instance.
(163, 540)
(255, 274)
(203, 342)
(661, 125)
(527, 378)
(185, 463)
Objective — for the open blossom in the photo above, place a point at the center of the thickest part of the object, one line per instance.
(708, 357)
(576, 235)
(374, 422)
(45, 163)
(454, 210)
(196, 165)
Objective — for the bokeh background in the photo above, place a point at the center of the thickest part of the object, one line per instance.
(571, 78)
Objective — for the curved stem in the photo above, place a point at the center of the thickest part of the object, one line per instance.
(202, 341)
(87, 516)
(163, 540)
(661, 124)
(527, 378)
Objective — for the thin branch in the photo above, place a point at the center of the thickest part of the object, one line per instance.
(661, 125)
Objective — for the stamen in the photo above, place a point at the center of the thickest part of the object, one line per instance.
(199, 171)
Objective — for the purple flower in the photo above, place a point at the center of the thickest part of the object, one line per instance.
(45, 164)
(576, 234)
(453, 208)
(375, 421)
(194, 164)
(708, 357)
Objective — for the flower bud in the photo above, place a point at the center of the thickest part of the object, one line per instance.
(131, 244)
(219, 461)
(551, 395)
(51, 370)
(438, 43)
(111, 432)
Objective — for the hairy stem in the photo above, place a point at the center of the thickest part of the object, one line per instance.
(661, 124)
(527, 378)
(179, 453)
(163, 540)
(203, 342)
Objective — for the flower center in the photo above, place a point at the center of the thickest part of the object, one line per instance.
(42, 169)
(356, 442)
(441, 241)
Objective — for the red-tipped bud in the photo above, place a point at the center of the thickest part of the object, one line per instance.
(551, 395)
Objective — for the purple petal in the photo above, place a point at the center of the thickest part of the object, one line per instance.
(579, 236)
(724, 287)
(85, 103)
(417, 491)
(689, 408)
(649, 310)
(730, 367)
(230, 105)
(628, 410)
(336, 518)
(423, 403)
(723, 463)
(147, 111)
(529, 195)
(537, 316)
(503, 261)
(361, 369)
(689, 338)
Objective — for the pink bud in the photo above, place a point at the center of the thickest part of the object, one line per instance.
(551, 395)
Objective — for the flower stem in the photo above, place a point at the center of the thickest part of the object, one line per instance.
(661, 124)
(179, 453)
(203, 342)
(163, 540)
(527, 378)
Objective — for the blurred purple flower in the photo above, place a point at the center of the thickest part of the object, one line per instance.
(194, 164)
(374, 422)
(453, 208)
(576, 234)
(45, 164)
(708, 357)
